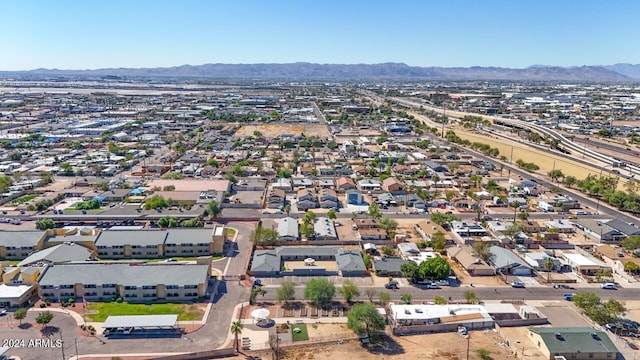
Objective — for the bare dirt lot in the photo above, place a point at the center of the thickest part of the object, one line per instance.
(273, 130)
(448, 346)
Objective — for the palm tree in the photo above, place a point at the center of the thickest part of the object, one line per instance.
(548, 265)
(236, 330)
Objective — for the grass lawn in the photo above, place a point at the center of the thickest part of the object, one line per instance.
(24, 199)
(186, 312)
(230, 233)
(299, 336)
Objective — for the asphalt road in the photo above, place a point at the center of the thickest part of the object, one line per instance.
(484, 293)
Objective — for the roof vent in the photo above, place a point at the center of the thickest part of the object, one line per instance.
(559, 336)
(595, 336)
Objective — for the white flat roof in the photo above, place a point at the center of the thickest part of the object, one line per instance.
(13, 291)
(424, 312)
(582, 260)
(113, 322)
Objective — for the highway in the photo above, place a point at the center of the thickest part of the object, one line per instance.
(568, 144)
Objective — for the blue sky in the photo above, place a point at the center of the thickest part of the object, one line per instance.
(89, 34)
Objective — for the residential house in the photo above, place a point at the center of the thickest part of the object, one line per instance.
(616, 257)
(508, 263)
(585, 265)
(414, 201)
(190, 242)
(580, 343)
(288, 229)
(369, 185)
(286, 261)
(392, 185)
(472, 264)
(307, 199)
(345, 183)
(324, 229)
(408, 249)
(623, 227)
(275, 199)
(599, 231)
(388, 266)
(372, 234)
(328, 199)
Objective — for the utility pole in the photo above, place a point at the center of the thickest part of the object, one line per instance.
(75, 340)
(62, 346)
(468, 343)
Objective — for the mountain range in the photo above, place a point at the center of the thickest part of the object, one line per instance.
(303, 70)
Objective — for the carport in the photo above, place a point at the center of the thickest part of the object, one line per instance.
(125, 325)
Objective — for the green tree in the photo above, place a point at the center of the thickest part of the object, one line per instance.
(44, 318)
(213, 209)
(569, 180)
(364, 318)
(585, 300)
(389, 225)
(440, 218)
(439, 241)
(555, 174)
(44, 224)
(388, 250)
(410, 270)
(513, 230)
(631, 242)
(484, 354)
(331, 214)
(436, 268)
(155, 202)
(320, 291)
(309, 217)
(439, 300)
(471, 297)
(406, 298)
(236, 330)
(384, 298)
(191, 223)
(349, 290)
(166, 222)
(255, 291)
(481, 250)
(548, 265)
(631, 267)
(264, 236)
(286, 292)
(287, 209)
(20, 314)
(374, 211)
(307, 230)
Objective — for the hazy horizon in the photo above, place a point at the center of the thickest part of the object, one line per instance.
(460, 33)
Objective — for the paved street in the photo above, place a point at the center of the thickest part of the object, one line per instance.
(484, 293)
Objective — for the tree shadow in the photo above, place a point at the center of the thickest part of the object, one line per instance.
(50, 330)
(25, 326)
(385, 345)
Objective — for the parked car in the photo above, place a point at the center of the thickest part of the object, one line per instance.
(517, 284)
(391, 285)
(608, 286)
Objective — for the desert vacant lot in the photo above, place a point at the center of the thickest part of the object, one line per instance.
(273, 130)
(447, 346)
(528, 154)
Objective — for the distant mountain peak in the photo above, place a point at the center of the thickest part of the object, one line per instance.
(388, 70)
